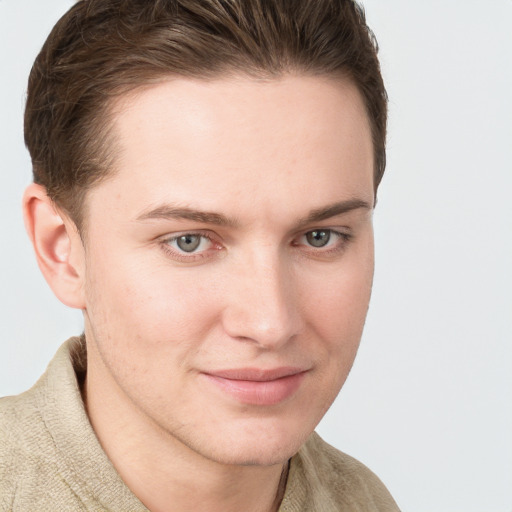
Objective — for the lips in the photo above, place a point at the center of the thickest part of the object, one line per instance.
(257, 386)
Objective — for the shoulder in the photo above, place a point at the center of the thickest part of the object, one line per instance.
(335, 465)
(20, 419)
(24, 436)
(23, 439)
(29, 468)
(329, 480)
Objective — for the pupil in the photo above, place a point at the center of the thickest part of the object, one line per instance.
(318, 238)
(188, 243)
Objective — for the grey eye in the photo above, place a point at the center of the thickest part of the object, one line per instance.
(318, 238)
(188, 243)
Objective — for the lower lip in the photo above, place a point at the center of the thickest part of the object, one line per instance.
(252, 392)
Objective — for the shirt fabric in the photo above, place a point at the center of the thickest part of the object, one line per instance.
(51, 459)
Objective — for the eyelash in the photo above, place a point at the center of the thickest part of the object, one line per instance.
(184, 256)
(339, 247)
(330, 250)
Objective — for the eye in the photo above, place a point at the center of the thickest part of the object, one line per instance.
(318, 238)
(189, 243)
(324, 241)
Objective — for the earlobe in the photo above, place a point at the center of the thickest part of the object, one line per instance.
(57, 245)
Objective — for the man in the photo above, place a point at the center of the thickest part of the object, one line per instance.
(204, 179)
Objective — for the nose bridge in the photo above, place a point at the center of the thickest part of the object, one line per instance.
(263, 306)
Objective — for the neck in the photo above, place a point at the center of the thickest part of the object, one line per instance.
(162, 470)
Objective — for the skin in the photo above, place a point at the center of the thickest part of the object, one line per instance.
(269, 159)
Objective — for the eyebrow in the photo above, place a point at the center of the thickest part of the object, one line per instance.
(171, 212)
(167, 212)
(333, 210)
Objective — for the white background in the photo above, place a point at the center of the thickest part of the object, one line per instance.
(428, 405)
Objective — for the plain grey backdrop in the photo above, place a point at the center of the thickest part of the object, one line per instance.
(428, 405)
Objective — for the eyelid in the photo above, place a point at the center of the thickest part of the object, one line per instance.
(205, 233)
(344, 232)
(344, 237)
(191, 257)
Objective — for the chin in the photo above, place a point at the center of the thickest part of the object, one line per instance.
(253, 455)
(254, 445)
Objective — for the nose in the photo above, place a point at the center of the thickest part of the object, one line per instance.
(263, 304)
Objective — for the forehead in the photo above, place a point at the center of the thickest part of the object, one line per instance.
(212, 142)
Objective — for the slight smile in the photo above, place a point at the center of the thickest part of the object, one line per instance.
(256, 386)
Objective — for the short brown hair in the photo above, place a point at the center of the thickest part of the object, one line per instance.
(101, 49)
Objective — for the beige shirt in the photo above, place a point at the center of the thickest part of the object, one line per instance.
(51, 460)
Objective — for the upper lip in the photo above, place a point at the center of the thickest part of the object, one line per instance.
(256, 374)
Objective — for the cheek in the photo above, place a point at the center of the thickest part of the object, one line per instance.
(337, 313)
(147, 306)
(338, 302)
(146, 324)
(336, 307)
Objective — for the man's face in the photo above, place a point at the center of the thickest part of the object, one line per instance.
(229, 261)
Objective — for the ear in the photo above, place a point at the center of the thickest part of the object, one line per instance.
(57, 244)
